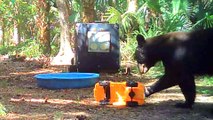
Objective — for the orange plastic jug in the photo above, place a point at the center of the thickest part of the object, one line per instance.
(119, 93)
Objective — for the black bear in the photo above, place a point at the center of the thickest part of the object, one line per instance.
(183, 54)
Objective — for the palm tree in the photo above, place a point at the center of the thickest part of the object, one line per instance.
(88, 11)
(65, 54)
(2, 31)
(43, 25)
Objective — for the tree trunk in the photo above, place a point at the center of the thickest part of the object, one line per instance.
(65, 54)
(43, 26)
(88, 13)
(1, 35)
(16, 30)
(16, 34)
(2, 31)
(132, 5)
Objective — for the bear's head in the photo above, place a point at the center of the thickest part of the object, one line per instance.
(141, 55)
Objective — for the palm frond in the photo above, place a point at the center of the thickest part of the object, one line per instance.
(154, 5)
(175, 22)
(180, 5)
(202, 14)
(206, 22)
(112, 15)
(129, 22)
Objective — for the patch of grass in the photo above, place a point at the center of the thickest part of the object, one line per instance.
(3, 110)
(4, 83)
(20, 90)
(6, 49)
(205, 90)
(205, 84)
(58, 116)
(207, 80)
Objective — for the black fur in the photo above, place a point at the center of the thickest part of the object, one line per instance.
(184, 54)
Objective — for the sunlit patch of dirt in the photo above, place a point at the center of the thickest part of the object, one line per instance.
(24, 100)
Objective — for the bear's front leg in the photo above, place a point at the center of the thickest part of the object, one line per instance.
(164, 82)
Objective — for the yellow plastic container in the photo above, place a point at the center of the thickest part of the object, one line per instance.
(119, 93)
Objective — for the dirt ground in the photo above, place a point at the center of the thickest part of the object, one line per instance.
(24, 100)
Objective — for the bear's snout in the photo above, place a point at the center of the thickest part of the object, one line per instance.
(142, 68)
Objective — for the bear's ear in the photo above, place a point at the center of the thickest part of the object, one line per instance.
(141, 40)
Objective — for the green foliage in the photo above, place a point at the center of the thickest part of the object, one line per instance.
(155, 72)
(172, 16)
(206, 22)
(127, 50)
(154, 5)
(205, 91)
(102, 5)
(207, 80)
(175, 22)
(76, 11)
(113, 15)
(30, 48)
(148, 24)
(3, 110)
(58, 115)
(127, 21)
(155, 17)
(6, 49)
(202, 13)
(205, 84)
(13, 1)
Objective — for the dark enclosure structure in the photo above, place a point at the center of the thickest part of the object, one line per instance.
(97, 47)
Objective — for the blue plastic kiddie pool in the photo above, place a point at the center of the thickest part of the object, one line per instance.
(66, 80)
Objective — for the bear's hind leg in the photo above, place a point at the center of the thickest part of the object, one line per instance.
(187, 85)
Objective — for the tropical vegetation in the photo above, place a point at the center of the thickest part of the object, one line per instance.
(38, 22)
(46, 27)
